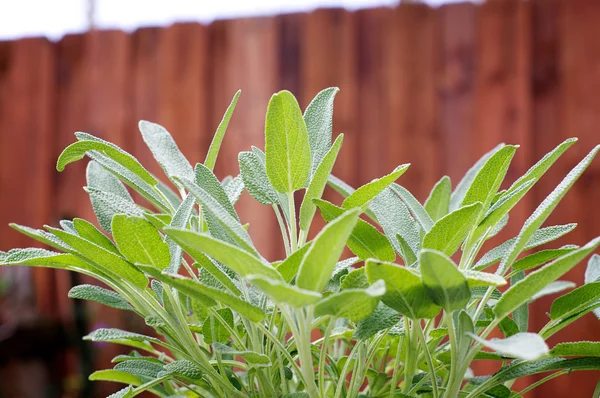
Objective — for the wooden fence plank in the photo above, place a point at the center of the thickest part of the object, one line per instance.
(253, 43)
(27, 119)
(456, 87)
(409, 97)
(569, 103)
(328, 53)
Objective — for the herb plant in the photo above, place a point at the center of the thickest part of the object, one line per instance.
(406, 316)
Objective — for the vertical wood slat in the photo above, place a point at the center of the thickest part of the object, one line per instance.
(244, 56)
(170, 71)
(409, 97)
(327, 59)
(94, 97)
(26, 131)
(570, 103)
(502, 100)
(456, 87)
(27, 125)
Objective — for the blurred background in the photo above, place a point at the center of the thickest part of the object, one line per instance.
(430, 83)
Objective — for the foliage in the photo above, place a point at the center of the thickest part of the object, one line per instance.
(406, 317)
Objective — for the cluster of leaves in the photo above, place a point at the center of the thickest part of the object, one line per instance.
(401, 318)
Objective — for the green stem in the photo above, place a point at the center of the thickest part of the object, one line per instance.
(396, 371)
(286, 241)
(324, 347)
(453, 384)
(292, 225)
(429, 361)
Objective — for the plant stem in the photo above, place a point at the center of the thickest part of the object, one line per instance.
(411, 354)
(292, 225)
(453, 384)
(286, 241)
(324, 347)
(429, 361)
(396, 371)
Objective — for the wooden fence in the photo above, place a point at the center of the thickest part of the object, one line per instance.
(433, 87)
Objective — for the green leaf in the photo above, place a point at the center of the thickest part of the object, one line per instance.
(123, 337)
(355, 279)
(340, 271)
(215, 145)
(107, 205)
(553, 288)
(500, 209)
(108, 195)
(540, 237)
(87, 142)
(448, 232)
(242, 262)
(577, 349)
(131, 179)
(218, 272)
(508, 327)
(465, 329)
(318, 118)
(394, 218)
(214, 331)
(104, 259)
(88, 231)
(140, 368)
(404, 291)
(418, 212)
(116, 376)
(180, 220)
(320, 260)
(520, 292)
(140, 242)
(443, 282)
(235, 230)
(367, 192)
(542, 257)
(489, 178)
(209, 182)
(207, 294)
(288, 268)
(126, 392)
(365, 241)
(182, 369)
(282, 292)
(251, 357)
(354, 304)
(525, 346)
(100, 295)
(382, 317)
(165, 150)
(233, 188)
(41, 236)
(457, 197)
(476, 278)
(45, 258)
(286, 145)
(540, 168)
(317, 184)
(521, 313)
(254, 174)
(543, 211)
(575, 301)
(437, 204)
(521, 369)
(592, 272)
